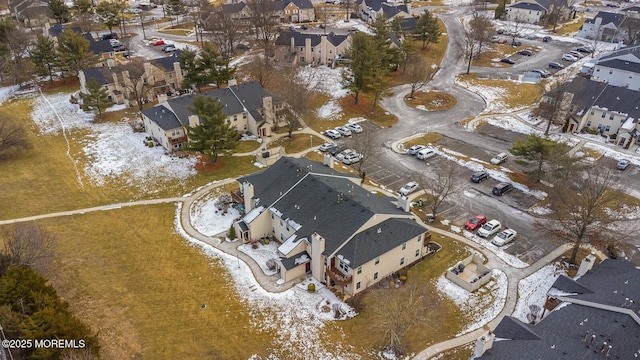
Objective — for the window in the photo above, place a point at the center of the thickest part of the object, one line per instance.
(610, 71)
(604, 114)
(287, 227)
(402, 261)
(235, 117)
(375, 276)
(281, 223)
(419, 238)
(311, 49)
(286, 11)
(271, 216)
(417, 253)
(228, 121)
(358, 285)
(301, 48)
(611, 116)
(404, 246)
(330, 51)
(295, 11)
(607, 128)
(273, 230)
(377, 260)
(281, 236)
(244, 115)
(593, 112)
(589, 123)
(343, 266)
(360, 270)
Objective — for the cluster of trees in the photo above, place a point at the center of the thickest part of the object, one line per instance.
(207, 67)
(373, 57)
(213, 136)
(31, 309)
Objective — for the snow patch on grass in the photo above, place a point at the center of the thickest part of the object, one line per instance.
(532, 290)
(262, 254)
(7, 92)
(208, 218)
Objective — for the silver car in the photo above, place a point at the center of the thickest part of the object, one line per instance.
(343, 131)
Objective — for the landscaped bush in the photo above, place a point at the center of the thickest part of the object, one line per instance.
(311, 287)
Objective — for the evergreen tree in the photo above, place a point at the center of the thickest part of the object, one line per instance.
(191, 69)
(362, 55)
(44, 56)
(537, 149)
(501, 10)
(97, 97)
(428, 29)
(59, 10)
(83, 6)
(213, 135)
(21, 288)
(74, 52)
(109, 14)
(209, 67)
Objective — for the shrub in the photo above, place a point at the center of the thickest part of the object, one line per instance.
(232, 233)
(311, 287)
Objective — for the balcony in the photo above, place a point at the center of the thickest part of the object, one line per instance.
(338, 277)
(237, 196)
(177, 140)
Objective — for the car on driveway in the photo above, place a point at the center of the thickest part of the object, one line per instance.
(344, 153)
(475, 222)
(584, 49)
(479, 176)
(546, 38)
(543, 73)
(490, 228)
(499, 159)
(623, 164)
(501, 189)
(354, 128)
(332, 134)
(508, 61)
(158, 42)
(415, 148)
(326, 146)
(569, 57)
(343, 131)
(408, 188)
(555, 65)
(351, 158)
(577, 54)
(504, 237)
(526, 52)
(425, 153)
(169, 48)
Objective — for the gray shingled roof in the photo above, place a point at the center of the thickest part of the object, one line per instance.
(299, 39)
(569, 285)
(527, 6)
(514, 329)
(390, 10)
(301, 4)
(632, 50)
(561, 332)
(620, 99)
(608, 18)
(101, 74)
(290, 262)
(369, 244)
(621, 65)
(166, 63)
(163, 117)
(233, 8)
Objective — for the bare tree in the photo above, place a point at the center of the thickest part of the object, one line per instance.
(396, 311)
(590, 210)
(367, 145)
(12, 137)
(516, 28)
(133, 78)
(631, 27)
(223, 30)
(18, 44)
(482, 28)
(264, 22)
(197, 12)
(295, 87)
(28, 245)
(436, 190)
(262, 70)
(418, 73)
(469, 45)
(554, 106)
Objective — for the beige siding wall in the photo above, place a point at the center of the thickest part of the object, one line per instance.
(240, 121)
(156, 132)
(280, 228)
(598, 118)
(260, 226)
(291, 274)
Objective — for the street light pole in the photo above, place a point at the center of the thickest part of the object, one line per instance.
(311, 138)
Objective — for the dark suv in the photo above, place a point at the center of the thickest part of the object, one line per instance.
(501, 189)
(479, 176)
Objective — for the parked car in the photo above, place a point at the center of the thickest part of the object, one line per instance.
(578, 55)
(499, 159)
(623, 164)
(504, 237)
(354, 128)
(351, 158)
(526, 52)
(555, 65)
(546, 39)
(169, 48)
(326, 146)
(475, 222)
(304, 27)
(516, 43)
(532, 37)
(425, 153)
(408, 188)
(333, 134)
(415, 148)
(158, 43)
(569, 57)
(584, 49)
(345, 153)
(109, 36)
(502, 189)
(489, 228)
(502, 41)
(343, 131)
(543, 73)
(508, 61)
(479, 176)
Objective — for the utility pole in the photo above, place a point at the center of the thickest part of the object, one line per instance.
(3, 355)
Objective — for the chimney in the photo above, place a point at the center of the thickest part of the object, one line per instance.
(328, 160)
(404, 203)
(162, 98)
(248, 192)
(233, 82)
(484, 343)
(586, 264)
(194, 120)
(267, 110)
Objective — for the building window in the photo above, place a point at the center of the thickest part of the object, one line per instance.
(330, 51)
(281, 223)
(287, 227)
(404, 246)
(281, 236)
(607, 128)
(228, 121)
(286, 11)
(604, 115)
(589, 123)
(244, 115)
(358, 285)
(402, 261)
(295, 11)
(273, 230)
(271, 216)
(343, 266)
(377, 260)
(359, 270)
(593, 111)
(235, 117)
(301, 48)
(611, 116)
(417, 252)
(610, 72)
(375, 276)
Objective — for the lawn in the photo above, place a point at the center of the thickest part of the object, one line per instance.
(570, 27)
(298, 143)
(428, 138)
(247, 146)
(364, 109)
(513, 94)
(140, 287)
(431, 100)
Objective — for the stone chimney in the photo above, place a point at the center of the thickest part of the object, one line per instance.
(404, 203)
(586, 264)
(484, 343)
(233, 82)
(248, 192)
(194, 120)
(162, 98)
(267, 110)
(328, 160)
(179, 77)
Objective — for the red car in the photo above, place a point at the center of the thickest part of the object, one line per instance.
(475, 222)
(158, 42)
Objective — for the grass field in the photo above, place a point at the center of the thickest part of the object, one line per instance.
(431, 100)
(428, 138)
(247, 146)
(297, 143)
(514, 94)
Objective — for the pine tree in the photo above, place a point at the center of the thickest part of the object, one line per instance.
(74, 52)
(44, 56)
(213, 135)
(427, 28)
(59, 10)
(97, 97)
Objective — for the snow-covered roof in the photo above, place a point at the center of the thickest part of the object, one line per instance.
(253, 214)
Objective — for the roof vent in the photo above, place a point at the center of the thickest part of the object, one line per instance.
(379, 230)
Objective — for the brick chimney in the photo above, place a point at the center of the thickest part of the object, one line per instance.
(484, 343)
(328, 160)
(586, 264)
(267, 110)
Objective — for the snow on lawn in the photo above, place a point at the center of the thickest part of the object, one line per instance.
(262, 254)
(295, 318)
(532, 290)
(613, 153)
(492, 95)
(328, 81)
(481, 306)
(499, 251)
(209, 217)
(7, 92)
(114, 151)
(116, 107)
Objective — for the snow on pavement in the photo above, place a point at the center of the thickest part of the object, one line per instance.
(208, 218)
(532, 290)
(6, 92)
(499, 251)
(478, 307)
(296, 318)
(114, 151)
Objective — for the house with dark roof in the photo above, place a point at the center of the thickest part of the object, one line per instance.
(295, 47)
(609, 27)
(327, 225)
(369, 10)
(239, 12)
(532, 11)
(248, 107)
(296, 11)
(619, 68)
(285, 11)
(165, 75)
(593, 316)
(601, 107)
(107, 77)
(30, 12)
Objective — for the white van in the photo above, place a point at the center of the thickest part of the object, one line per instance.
(499, 159)
(425, 153)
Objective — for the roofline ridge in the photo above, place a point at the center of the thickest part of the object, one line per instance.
(595, 305)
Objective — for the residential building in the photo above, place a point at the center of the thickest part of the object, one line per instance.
(284, 11)
(610, 27)
(593, 316)
(327, 225)
(369, 10)
(164, 74)
(299, 47)
(296, 11)
(619, 68)
(248, 107)
(106, 77)
(30, 12)
(531, 11)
